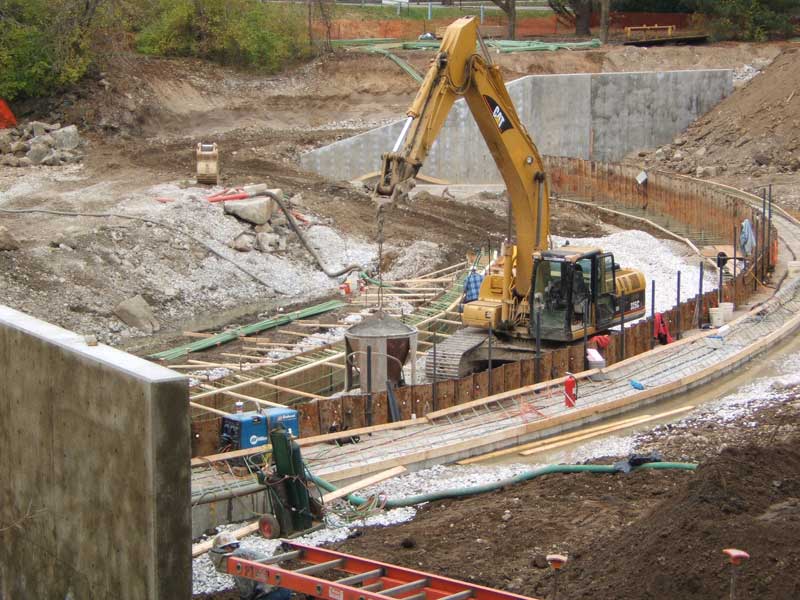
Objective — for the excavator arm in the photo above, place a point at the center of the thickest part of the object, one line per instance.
(459, 71)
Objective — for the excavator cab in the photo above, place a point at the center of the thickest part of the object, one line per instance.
(582, 288)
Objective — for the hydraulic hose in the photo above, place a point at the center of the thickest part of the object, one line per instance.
(490, 487)
(311, 250)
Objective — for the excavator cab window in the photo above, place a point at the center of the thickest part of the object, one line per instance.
(606, 292)
(553, 286)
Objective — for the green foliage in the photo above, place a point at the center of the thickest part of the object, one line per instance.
(756, 20)
(42, 46)
(238, 32)
(661, 6)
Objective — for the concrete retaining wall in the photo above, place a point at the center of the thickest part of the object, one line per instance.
(94, 459)
(600, 116)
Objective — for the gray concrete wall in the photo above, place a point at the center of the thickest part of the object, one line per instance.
(94, 469)
(599, 116)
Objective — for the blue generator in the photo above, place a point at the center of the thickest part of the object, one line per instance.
(249, 429)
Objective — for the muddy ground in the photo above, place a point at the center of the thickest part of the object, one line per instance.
(644, 535)
(141, 119)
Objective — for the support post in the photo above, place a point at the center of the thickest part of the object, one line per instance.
(491, 332)
(700, 297)
(585, 332)
(678, 307)
(719, 289)
(622, 324)
(538, 366)
(653, 312)
(435, 376)
(763, 233)
(768, 264)
(368, 410)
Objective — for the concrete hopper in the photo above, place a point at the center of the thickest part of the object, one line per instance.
(389, 342)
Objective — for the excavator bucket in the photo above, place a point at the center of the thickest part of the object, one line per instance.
(207, 164)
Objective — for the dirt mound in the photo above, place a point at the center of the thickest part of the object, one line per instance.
(746, 498)
(646, 535)
(755, 131)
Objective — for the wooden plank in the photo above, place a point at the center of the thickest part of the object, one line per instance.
(464, 390)
(359, 485)
(512, 376)
(445, 394)
(527, 370)
(480, 384)
(422, 400)
(291, 391)
(621, 425)
(309, 418)
(549, 440)
(205, 436)
(330, 412)
(354, 411)
(575, 358)
(404, 396)
(222, 413)
(380, 408)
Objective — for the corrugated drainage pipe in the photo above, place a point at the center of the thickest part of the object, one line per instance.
(490, 487)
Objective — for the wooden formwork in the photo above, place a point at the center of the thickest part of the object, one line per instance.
(693, 207)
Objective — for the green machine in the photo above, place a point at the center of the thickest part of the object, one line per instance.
(294, 510)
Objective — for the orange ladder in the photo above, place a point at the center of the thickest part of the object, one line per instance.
(359, 579)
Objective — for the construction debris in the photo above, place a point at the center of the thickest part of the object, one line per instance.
(38, 143)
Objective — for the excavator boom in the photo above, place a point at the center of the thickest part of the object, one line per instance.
(459, 71)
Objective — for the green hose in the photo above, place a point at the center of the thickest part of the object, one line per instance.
(490, 487)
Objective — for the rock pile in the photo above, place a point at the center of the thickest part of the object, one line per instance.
(38, 143)
(268, 226)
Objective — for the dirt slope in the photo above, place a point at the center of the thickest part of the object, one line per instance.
(751, 139)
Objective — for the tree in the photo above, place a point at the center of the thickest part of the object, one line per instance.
(577, 12)
(605, 19)
(510, 8)
(756, 20)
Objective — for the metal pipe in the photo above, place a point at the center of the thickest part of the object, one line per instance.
(403, 133)
(719, 288)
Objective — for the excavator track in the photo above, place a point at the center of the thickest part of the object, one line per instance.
(450, 354)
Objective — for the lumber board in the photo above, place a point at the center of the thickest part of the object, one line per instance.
(359, 485)
(222, 413)
(542, 442)
(609, 429)
(203, 547)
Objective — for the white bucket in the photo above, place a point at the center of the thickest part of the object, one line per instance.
(717, 317)
(727, 310)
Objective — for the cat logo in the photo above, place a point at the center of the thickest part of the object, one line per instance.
(503, 123)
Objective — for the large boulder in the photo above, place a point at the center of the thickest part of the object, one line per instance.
(37, 128)
(267, 242)
(255, 210)
(38, 152)
(243, 242)
(136, 312)
(66, 138)
(7, 241)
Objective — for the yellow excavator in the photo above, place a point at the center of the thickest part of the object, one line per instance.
(532, 291)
